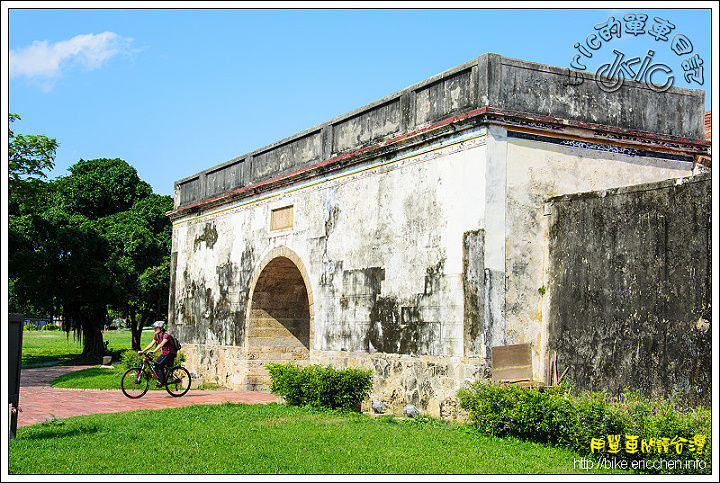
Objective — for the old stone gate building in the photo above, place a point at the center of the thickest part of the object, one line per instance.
(410, 235)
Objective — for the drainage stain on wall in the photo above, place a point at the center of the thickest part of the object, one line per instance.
(474, 291)
(208, 313)
(209, 236)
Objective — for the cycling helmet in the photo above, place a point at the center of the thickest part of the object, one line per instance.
(159, 324)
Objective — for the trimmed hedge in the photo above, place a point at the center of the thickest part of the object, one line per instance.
(596, 423)
(320, 386)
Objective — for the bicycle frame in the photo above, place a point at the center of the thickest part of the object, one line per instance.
(148, 362)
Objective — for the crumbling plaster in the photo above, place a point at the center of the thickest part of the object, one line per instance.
(419, 225)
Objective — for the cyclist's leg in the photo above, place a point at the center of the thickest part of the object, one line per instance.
(169, 362)
(161, 363)
(160, 368)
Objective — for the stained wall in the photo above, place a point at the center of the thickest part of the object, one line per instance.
(410, 235)
(631, 306)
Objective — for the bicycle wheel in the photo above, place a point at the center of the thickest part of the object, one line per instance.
(178, 381)
(134, 384)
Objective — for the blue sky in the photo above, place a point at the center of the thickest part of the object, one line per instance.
(174, 92)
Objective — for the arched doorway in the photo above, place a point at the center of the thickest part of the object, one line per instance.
(279, 327)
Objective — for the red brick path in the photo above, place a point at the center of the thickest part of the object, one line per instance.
(38, 401)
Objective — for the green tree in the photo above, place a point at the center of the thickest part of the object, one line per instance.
(140, 239)
(99, 239)
(111, 196)
(29, 156)
(100, 187)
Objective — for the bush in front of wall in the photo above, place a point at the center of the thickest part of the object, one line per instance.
(628, 426)
(320, 386)
(130, 358)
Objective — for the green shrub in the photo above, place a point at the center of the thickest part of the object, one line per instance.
(554, 415)
(179, 358)
(320, 386)
(540, 415)
(130, 358)
(29, 327)
(50, 327)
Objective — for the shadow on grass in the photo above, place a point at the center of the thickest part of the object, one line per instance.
(57, 428)
(57, 360)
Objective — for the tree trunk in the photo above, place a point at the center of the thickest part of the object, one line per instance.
(93, 345)
(137, 324)
(136, 332)
(89, 322)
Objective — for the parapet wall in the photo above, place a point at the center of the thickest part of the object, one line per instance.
(490, 87)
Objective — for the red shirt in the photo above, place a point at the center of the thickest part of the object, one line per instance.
(169, 347)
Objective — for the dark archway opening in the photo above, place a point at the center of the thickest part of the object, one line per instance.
(280, 313)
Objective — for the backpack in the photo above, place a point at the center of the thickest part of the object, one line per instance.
(175, 343)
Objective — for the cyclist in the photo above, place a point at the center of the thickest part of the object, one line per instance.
(165, 343)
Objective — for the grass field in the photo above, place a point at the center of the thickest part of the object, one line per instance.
(255, 439)
(271, 439)
(41, 347)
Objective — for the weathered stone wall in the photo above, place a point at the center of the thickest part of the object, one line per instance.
(374, 263)
(408, 235)
(428, 382)
(630, 272)
(538, 168)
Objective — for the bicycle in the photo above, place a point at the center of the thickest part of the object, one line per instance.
(136, 380)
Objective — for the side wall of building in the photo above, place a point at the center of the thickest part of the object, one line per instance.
(540, 167)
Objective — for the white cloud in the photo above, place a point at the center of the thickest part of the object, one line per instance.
(45, 62)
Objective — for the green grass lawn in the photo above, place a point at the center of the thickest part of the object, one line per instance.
(253, 439)
(40, 346)
(271, 439)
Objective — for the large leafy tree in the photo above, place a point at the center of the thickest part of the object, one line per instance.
(58, 260)
(94, 239)
(140, 239)
(126, 216)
